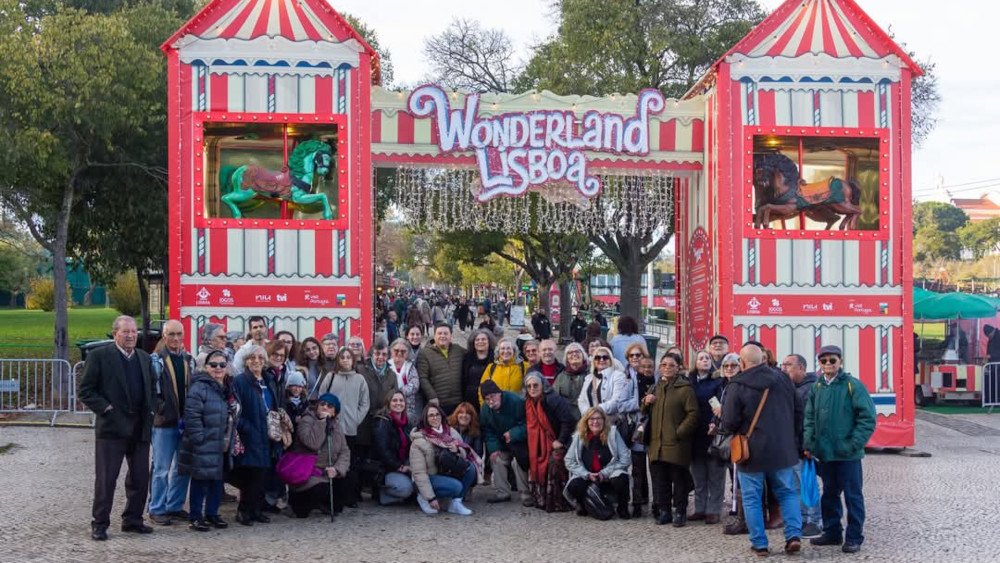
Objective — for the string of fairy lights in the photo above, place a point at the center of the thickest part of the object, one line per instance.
(631, 203)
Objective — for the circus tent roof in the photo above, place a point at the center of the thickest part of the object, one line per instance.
(837, 29)
(295, 20)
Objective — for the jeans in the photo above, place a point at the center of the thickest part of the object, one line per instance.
(207, 493)
(397, 488)
(810, 514)
(450, 487)
(709, 485)
(782, 482)
(168, 489)
(846, 477)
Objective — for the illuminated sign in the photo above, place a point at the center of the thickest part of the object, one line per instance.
(518, 150)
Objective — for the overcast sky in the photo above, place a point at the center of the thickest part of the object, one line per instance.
(960, 153)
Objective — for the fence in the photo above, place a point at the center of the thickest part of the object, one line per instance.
(34, 385)
(664, 329)
(991, 385)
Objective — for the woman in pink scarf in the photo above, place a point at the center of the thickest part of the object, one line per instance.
(430, 437)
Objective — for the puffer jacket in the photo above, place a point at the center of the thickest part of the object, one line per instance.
(203, 444)
(441, 376)
(674, 416)
(510, 417)
(508, 376)
(325, 439)
(422, 464)
(839, 419)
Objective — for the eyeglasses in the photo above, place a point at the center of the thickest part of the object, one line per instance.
(255, 359)
(602, 358)
(399, 351)
(730, 366)
(827, 361)
(433, 415)
(636, 355)
(595, 419)
(533, 385)
(217, 364)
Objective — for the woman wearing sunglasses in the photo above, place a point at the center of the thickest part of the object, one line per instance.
(604, 386)
(207, 433)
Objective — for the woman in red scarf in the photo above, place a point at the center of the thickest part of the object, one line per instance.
(430, 436)
(391, 449)
(550, 427)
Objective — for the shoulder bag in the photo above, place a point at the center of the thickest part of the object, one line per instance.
(450, 464)
(739, 445)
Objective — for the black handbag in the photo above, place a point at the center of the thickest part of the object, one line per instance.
(626, 425)
(719, 448)
(450, 464)
(595, 503)
(643, 430)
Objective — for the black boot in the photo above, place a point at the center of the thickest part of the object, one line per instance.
(623, 511)
(680, 517)
(636, 511)
(664, 517)
(244, 518)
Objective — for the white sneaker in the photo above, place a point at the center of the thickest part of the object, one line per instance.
(456, 507)
(425, 506)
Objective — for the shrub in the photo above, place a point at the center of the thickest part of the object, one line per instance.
(125, 295)
(42, 294)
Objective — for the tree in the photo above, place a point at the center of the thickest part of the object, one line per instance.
(981, 238)
(369, 35)
(938, 216)
(465, 56)
(73, 85)
(604, 47)
(924, 96)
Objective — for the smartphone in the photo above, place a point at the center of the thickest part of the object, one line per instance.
(714, 403)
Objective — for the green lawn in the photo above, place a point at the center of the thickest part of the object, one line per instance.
(28, 334)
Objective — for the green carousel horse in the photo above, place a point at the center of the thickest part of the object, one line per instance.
(240, 185)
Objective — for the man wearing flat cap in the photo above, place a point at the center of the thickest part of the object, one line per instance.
(718, 347)
(839, 420)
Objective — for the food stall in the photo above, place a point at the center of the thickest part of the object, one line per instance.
(953, 371)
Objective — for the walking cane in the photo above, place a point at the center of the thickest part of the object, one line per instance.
(329, 457)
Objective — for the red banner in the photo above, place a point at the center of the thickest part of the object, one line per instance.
(244, 296)
(818, 305)
(699, 295)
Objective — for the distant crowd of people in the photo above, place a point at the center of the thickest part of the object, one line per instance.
(605, 429)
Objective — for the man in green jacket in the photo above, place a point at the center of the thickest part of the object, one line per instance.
(839, 420)
(505, 432)
(439, 366)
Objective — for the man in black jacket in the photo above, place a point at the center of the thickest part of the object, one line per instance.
(117, 385)
(774, 444)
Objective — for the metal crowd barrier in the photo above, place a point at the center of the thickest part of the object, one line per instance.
(37, 385)
(664, 329)
(991, 385)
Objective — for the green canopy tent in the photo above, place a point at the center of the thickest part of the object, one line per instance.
(953, 306)
(920, 293)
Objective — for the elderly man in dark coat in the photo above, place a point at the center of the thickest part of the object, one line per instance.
(117, 385)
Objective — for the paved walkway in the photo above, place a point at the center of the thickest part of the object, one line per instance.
(940, 508)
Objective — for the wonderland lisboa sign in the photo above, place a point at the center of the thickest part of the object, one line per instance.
(518, 150)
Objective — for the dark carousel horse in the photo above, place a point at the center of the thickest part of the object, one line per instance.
(781, 194)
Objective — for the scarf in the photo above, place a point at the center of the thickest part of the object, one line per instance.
(400, 373)
(595, 441)
(578, 371)
(399, 422)
(540, 438)
(444, 439)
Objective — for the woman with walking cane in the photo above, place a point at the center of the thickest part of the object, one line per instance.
(319, 434)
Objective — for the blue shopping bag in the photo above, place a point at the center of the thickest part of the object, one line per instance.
(809, 483)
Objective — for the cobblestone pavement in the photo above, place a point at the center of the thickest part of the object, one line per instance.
(939, 508)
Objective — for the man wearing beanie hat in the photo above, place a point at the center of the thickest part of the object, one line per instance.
(839, 420)
(505, 431)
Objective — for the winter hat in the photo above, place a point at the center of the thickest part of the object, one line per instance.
(295, 378)
(489, 387)
(331, 399)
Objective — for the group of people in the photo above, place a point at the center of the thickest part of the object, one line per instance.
(314, 425)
